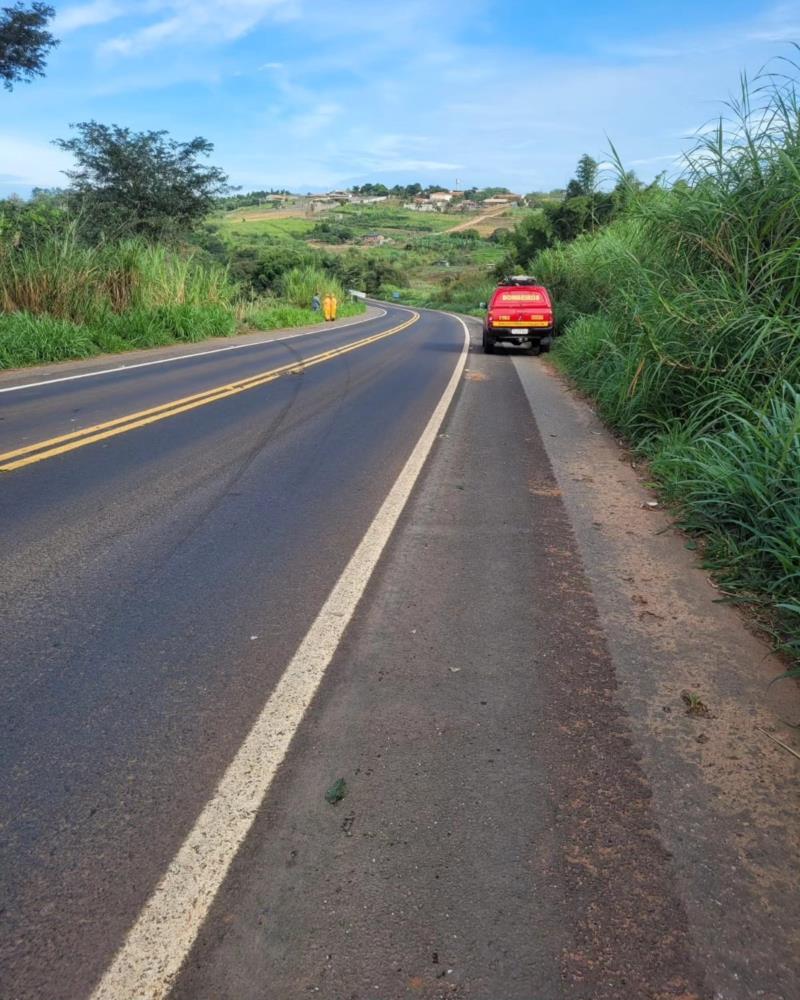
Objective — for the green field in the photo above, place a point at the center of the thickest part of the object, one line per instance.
(236, 229)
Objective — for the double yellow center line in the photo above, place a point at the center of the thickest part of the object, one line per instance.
(41, 450)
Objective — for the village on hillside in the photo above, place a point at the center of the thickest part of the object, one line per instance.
(439, 200)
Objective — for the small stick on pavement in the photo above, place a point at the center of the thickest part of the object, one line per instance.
(780, 743)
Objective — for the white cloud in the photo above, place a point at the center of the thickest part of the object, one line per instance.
(405, 166)
(187, 21)
(87, 15)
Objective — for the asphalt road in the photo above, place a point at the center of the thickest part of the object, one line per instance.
(157, 582)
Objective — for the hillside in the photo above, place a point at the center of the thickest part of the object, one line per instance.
(415, 255)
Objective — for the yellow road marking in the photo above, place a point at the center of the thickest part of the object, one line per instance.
(41, 450)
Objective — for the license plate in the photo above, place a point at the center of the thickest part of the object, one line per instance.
(522, 330)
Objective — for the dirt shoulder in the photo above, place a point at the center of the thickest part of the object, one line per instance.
(725, 797)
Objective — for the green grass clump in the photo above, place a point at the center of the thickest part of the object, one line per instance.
(273, 314)
(32, 340)
(740, 488)
(683, 320)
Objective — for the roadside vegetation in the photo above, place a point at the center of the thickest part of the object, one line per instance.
(112, 263)
(682, 319)
(60, 298)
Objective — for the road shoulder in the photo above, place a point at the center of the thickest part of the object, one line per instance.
(725, 797)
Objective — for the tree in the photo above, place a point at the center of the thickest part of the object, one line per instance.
(586, 175)
(571, 218)
(574, 190)
(533, 234)
(139, 183)
(530, 236)
(20, 221)
(24, 42)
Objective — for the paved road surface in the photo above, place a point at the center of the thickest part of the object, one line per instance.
(496, 840)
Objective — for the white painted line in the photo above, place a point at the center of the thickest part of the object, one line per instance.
(184, 357)
(154, 950)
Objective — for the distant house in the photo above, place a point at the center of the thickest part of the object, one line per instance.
(373, 199)
(442, 197)
(421, 205)
(502, 199)
(467, 206)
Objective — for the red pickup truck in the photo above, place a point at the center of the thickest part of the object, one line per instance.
(520, 314)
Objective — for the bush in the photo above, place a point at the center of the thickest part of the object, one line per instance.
(331, 232)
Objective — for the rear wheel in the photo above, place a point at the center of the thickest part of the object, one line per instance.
(488, 343)
(534, 349)
(546, 344)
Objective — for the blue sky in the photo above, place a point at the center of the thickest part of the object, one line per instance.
(309, 94)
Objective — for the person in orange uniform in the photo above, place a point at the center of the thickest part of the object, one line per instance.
(327, 307)
(334, 306)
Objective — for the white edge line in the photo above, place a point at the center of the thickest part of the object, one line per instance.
(155, 948)
(187, 357)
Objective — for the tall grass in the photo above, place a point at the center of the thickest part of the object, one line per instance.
(60, 298)
(683, 320)
(299, 285)
(60, 276)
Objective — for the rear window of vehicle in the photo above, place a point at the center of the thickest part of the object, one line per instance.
(520, 297)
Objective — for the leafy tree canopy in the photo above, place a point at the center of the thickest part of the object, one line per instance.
(139, 183)
(24, 42)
